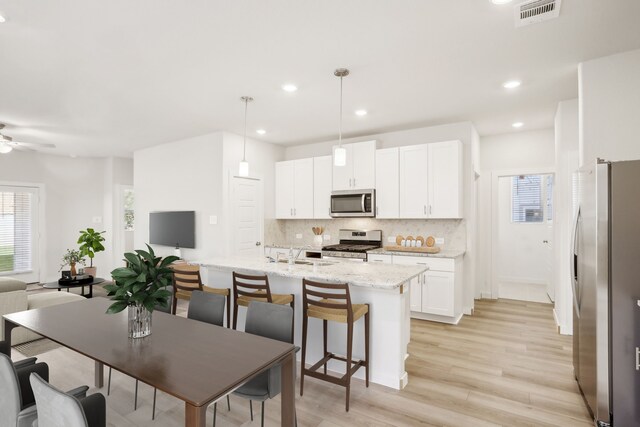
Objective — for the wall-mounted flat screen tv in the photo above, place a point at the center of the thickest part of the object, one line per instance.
(177, 229)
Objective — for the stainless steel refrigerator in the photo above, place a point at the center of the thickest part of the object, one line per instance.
(605, 266)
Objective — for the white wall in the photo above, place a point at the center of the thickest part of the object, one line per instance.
(609, 93)
(193, 174)
(516, 151)
(74, 193)
(566, 149)
(463, 131)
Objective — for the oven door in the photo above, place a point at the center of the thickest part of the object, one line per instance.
(360, 203)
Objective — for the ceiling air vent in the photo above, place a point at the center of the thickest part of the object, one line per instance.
(534, 11)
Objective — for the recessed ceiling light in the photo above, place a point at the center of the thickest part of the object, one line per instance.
(500, 1)
(2, 19)
(517, 125)
(361, 113)
(261, 131)
(511, 84)
(289, 87)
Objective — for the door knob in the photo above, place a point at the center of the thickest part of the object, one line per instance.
(545, 241)
(258, 243)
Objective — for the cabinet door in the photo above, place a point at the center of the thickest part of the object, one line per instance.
(438, 293)
(364, 165)
(415, 294)
(284, 190)
(343, 175)
(303, 189)
(387, 183)
(380, 258)
(322, 187)
(445, 180)
(414, 190)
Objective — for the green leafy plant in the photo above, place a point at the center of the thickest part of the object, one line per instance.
(143, 281)
(90, 243)
(71, 257)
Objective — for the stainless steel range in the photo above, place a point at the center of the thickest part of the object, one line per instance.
(354, 245)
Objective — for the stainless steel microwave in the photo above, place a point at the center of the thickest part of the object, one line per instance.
(353, 203)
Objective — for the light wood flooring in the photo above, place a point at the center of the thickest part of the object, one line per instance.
(504, 366)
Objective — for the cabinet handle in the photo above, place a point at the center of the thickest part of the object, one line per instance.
(429, 209)
(424, 209)
(377, 209)
(349, 182)
(291, 212)
(295, 212)
(354, 182)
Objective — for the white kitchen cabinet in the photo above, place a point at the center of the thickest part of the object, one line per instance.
(431, 180)
(380, 258)
(416, 284)
(438, 293)
(322, 187)
(387, 183)
(359, 172)
(445, 179)
(294, 189)
(413, 181)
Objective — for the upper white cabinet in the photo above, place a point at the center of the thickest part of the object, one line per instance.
(387, 183)
(322, 187)
(445, 180)
(294, 189)
(414, 179)
(360, 169)
(431, 180)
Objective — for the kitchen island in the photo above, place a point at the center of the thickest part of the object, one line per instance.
(384, 287)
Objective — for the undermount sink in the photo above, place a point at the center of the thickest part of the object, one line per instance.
(298, 261)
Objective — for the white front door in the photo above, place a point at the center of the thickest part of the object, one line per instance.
(248, 216)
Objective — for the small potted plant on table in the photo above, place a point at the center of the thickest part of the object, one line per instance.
(91, 243)
(71, 258)
(140, 287)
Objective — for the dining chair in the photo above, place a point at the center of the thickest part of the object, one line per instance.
(6, 350)
(186, 279)
(59, 409)
(272, 321)
(247, 288)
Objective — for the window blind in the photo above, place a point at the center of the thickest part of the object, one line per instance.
(526, 199)
(16, 230)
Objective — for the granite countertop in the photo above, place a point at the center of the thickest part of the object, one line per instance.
(371, 275)
(446, 253)
(295, 247)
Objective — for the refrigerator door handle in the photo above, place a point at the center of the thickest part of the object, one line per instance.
(574, 263)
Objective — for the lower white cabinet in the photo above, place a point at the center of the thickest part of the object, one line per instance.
(436, 294)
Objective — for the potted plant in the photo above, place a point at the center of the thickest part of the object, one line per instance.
(91, 243)
(140, 287)
(71, 258)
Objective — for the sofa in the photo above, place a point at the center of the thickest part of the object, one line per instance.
(14, 297)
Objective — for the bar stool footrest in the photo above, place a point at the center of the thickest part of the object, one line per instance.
(312, 371)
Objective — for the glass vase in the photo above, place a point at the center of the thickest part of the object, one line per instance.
(139, 321)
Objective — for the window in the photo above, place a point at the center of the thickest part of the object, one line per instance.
(531, 197)
(17, 219)
(128, 210)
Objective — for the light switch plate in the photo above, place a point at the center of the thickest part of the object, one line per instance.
(391, 239)
(299, 236)
(327, 237)
(213, 219)
(439, 240)
(97, 219)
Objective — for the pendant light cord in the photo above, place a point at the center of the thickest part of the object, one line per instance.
(340, 127)
(244, 145)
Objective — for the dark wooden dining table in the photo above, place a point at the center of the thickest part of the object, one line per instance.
(196, 362)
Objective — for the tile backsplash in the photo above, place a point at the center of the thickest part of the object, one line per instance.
(283, 232)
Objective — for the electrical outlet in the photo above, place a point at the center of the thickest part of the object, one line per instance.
(391, 239)
(299, 236)
(97, 219)
(439, 240)
(213, 219)
(327, 237)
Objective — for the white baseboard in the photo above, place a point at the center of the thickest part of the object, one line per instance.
(525, 280)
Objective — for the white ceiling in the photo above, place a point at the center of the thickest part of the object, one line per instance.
(108, 77)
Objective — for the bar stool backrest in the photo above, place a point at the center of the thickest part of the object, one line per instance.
(251, 286)
(187, 278)
(328, 296)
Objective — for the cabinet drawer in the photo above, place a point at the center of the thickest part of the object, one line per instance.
(386, 259)
(434, 264)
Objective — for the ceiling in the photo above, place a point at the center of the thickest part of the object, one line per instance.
(108, 77)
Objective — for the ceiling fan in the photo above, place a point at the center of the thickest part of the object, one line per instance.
(7, 144)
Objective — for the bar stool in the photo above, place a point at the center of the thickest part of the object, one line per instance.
(256, 288)
(186, 279)
(332, 302)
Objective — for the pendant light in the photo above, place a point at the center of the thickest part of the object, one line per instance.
(340, 153)
(243, 169)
